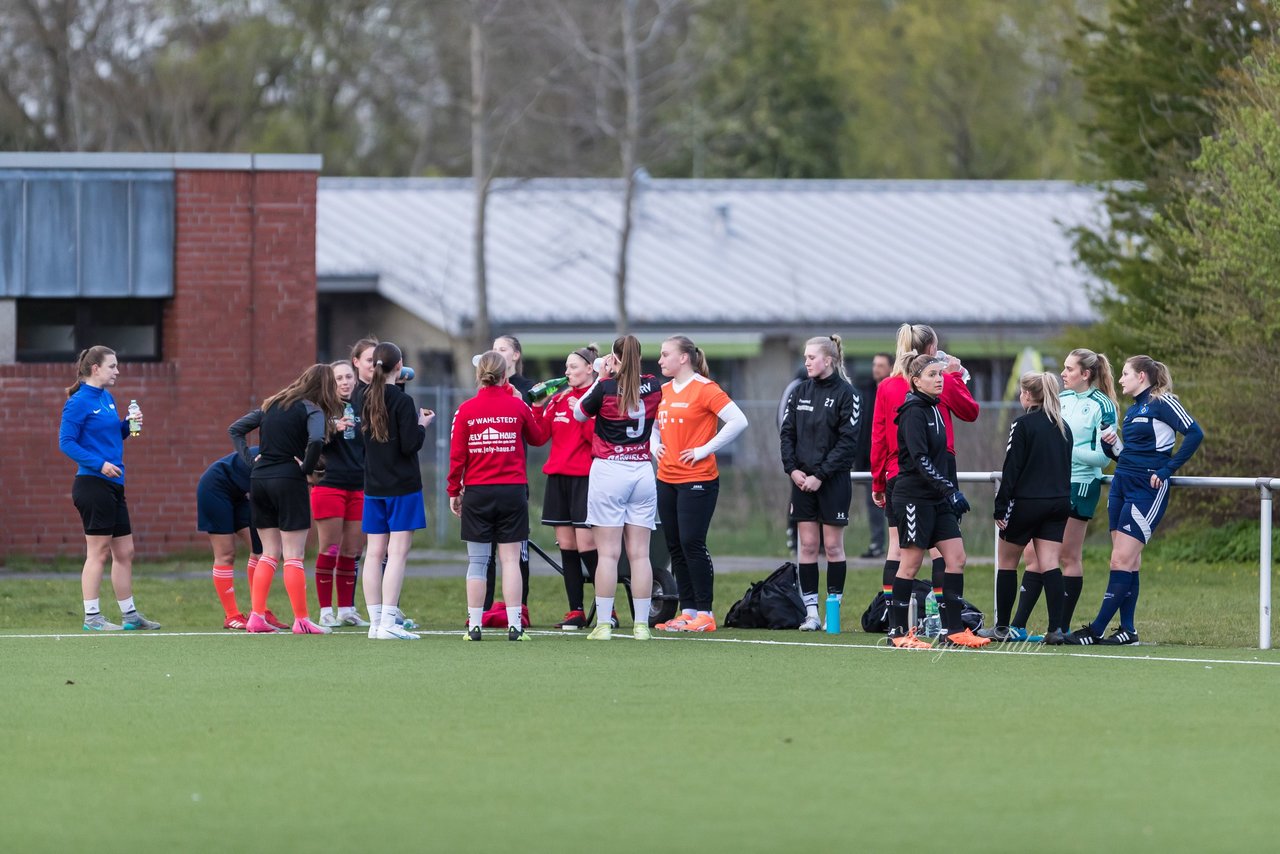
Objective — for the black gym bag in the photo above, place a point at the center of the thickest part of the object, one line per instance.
(875, 620)
(774, 603)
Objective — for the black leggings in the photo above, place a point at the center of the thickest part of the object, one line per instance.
(686, 510)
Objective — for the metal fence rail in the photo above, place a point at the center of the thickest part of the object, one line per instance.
(1265, 486)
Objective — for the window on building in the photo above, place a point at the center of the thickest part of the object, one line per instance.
(54, 330)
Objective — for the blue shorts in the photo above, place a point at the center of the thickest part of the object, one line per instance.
(398, 513)
(1134, 508)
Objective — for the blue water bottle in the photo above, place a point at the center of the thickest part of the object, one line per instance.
(833, 614)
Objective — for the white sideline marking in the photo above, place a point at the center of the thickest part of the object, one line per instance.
(683, 637)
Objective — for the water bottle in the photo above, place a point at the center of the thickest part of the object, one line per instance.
(833, 614)
(135, 416)
(406, 375)
(350, 415)
(546, 387)
(932, 619)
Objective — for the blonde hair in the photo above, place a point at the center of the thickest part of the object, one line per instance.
(85, 364)
(1043, 390)
(1099, 369)
(697, 359)
(832, 347)
(914, 339)
(1157, 374)
(491, 369)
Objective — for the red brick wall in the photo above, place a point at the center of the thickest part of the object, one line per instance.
(242, 324)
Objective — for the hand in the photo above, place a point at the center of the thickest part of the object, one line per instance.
(1156, 481)
(1002, 524)
(455, 504)
(608, 367)
(811, 484)
(110, 470)
(877, 498)
(343, 423)
(425, 417)
(658, 450)
(1109, 435)
(689, 456)
(959, 503)
(953, 366)
(797, 477)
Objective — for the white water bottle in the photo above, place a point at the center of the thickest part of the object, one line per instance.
(135, 418)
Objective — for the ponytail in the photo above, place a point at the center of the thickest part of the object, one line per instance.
(831, 346)
(902, 365)
(1043, 390)
(1099, 372)
(374, 412)
(1157, 374)
(627, 350)
(85, 363)
(918, 337)
(697, 359)
(491, 369)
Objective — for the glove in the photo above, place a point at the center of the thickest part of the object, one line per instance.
(959, 503)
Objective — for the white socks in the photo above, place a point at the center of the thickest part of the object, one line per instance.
(92, 607)
(389, 616)
(604, 610)
(126, 605)
(643, 606)
(811, 611)
(513, 617)
(325, 612)
(474, 617)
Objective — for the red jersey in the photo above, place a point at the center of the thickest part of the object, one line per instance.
(955, 399)
(621, 435)
(570, 438)
(488, 436)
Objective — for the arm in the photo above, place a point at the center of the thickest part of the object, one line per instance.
(1093, 454)
(412, 434)
(536, 428)
(243, 426)
(912, 434)
(457, 455)
(1181, 421)
(1015, 458)
(787, 436)
(735, 421)
(315, 437)
(879, 441)
(73, 418)
(839, 460)
(957, 398)
(589, 404)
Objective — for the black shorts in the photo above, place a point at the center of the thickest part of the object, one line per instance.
(496, 513)
(102, 506)
(220, 509)
(829, 505)
(280, 502)
(889, 515)
(922, 524)
(1036, 519)
(565, 501)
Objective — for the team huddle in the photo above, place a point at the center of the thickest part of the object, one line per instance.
(339, 447)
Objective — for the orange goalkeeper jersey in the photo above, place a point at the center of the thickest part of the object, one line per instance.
(686, 419)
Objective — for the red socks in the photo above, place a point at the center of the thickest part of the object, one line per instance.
(346, 582)
(325, 563)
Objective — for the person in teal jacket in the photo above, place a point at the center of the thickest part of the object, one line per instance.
(92, 434)
(1088, 401)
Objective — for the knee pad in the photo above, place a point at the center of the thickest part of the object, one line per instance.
(477, 560)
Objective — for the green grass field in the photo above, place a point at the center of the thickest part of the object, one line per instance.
(742, 741)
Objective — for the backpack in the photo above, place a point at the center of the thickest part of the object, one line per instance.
(875, 620)
(774, 603)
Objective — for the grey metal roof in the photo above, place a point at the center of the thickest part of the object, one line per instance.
(740, 252)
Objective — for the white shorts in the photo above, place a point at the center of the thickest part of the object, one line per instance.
(622, 492)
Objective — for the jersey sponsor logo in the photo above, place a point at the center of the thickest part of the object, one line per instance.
(491, 441)
(493, 419)
(678, 404)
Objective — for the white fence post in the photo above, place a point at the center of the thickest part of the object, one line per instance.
(1264, 564)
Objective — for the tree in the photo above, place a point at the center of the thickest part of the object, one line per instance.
(1228, 248)
(1151, 73)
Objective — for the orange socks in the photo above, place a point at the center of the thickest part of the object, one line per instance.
(260, 586)
(248, 570)
(295, 582)
(224, 585)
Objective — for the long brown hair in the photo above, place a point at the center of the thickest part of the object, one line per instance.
(315, 384)
(1043, 390)
(85, 363)
(697, 359)
(385, 358)
(627, 349)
